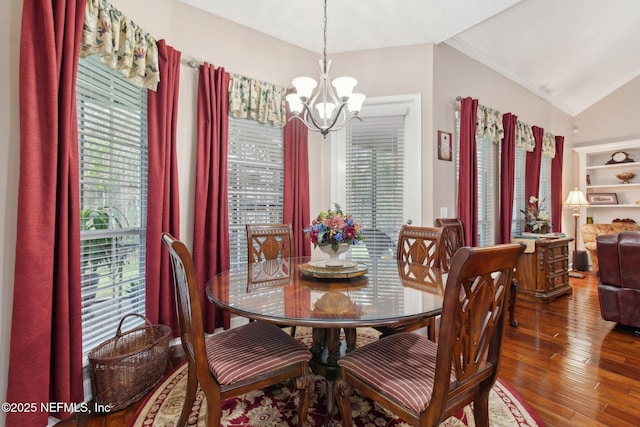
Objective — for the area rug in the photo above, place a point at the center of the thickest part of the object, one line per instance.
(277, 406)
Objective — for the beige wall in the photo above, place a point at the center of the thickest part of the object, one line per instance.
(614, 118)
(458, 75)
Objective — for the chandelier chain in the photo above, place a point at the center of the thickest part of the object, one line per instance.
(324, 52)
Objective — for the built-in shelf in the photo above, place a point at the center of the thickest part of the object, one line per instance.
(597, 177)
(615, 206)
(631, 184)
(615, 166)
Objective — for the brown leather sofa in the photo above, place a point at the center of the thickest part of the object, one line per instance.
(619, 277)
(591, 231)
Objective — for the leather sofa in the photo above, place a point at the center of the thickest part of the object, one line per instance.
(589, 233)
(619, 277)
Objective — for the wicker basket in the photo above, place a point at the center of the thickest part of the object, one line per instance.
(123, 369)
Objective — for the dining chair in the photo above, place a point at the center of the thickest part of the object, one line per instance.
(425, 382)
(269, 242)
(419, 246)
(452, 240)
(229, 363)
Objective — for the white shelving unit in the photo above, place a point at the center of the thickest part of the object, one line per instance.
(602, 179)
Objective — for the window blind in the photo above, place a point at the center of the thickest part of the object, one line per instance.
(255, 180)
(112, 136)
(375, 181)
(487, 195)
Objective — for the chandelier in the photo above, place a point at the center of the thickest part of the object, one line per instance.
(328, 109)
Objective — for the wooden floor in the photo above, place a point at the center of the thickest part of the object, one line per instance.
(571, 367)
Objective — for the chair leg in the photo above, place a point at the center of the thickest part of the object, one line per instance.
(512, 303)
(342, 391)
(293, 331)
(190, 396)
(481, 407)
(306, 384)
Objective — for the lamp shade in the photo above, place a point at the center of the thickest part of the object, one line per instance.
(576, 199)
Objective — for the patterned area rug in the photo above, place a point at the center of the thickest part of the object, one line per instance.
(277, 407)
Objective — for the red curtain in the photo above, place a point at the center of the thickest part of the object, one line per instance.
(507, 171)
(296, 184)
(45, 363)
(163, 204)
(468, 171)
(211, 216)
(532, 168)
(556, 186)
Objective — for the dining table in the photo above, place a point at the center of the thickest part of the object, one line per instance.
(382, 292)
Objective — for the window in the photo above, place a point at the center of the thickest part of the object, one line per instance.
(255, 180)
(378, 181)
(112, 127)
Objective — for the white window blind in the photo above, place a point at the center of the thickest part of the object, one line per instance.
(487, 194)
(374, 187)
(112, 127)
(255, 180)
(519, 199)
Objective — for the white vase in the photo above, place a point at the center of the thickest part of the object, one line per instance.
(334, 252)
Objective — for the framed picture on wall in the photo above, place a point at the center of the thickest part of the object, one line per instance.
(445, 147)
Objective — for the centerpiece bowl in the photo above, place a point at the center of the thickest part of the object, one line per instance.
(625, 177)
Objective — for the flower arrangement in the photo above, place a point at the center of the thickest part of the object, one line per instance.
(334, 227)
(535, 218)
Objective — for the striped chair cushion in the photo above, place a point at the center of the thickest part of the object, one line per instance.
(401, 366)
(251, 350)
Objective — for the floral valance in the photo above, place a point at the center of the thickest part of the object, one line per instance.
(489, 124)
(121, 44)
(256, 100)
(549, 145)
(524, 136)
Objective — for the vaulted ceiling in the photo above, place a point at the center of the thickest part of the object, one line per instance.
(571, 52)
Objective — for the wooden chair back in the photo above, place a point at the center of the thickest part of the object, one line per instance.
(472, 327)
(269, 242)
(420, 245)
(461, 368)
(452, 240)
(206, 356)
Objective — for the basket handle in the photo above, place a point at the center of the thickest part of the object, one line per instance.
(148, 323)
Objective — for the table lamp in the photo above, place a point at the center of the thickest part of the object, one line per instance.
(576, 200)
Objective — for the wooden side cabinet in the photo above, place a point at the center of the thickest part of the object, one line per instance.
(543, 270)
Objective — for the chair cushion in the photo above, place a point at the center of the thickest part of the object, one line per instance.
(402, 366)
(251, 350)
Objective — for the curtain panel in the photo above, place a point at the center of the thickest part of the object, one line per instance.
(532, 167)
(468, 174)
(489, 124)
(211, 211)
(524, 136)
(256, 100)
(120, 43)
(556, 185)
(507, 176)
(45, 362)
(549, 145)
(296, 209)
(163, 202)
